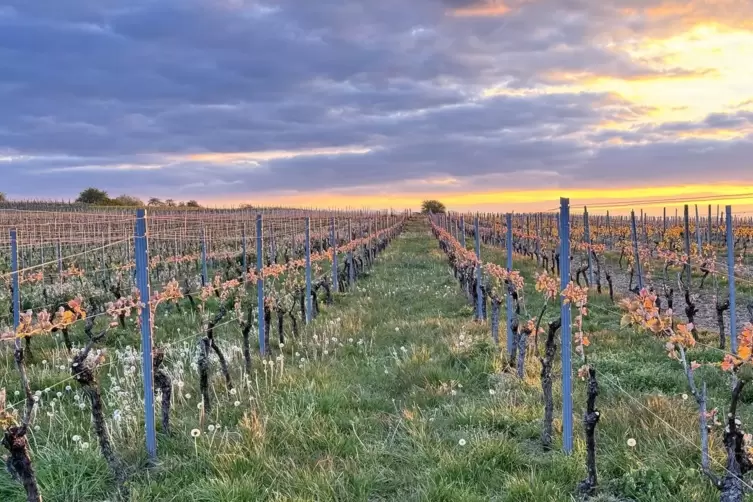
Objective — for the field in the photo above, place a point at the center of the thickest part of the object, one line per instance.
(393, 391)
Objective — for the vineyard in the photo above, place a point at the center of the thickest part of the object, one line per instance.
(282, 354)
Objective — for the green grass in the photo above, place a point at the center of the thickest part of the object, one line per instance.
(382, 417)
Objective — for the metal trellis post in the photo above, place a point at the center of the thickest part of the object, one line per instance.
(587, 232)
(141, 249)
(508, 299)
(731, 280)
(307, 247)
(260, 281)
(567, 369)
(638, 270)
(333, 243)
(204, 274)
(479, 308)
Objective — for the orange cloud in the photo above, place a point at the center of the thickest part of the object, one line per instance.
(483, 10)
(670, 9)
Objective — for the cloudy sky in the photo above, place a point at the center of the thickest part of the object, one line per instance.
(484, 104)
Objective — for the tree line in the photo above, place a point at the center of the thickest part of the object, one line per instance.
(97, 197)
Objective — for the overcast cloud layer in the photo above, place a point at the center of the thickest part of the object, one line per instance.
(230, 98)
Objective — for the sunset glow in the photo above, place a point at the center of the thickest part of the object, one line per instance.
(615, 200)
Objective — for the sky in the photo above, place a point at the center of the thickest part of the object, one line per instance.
(483, 104)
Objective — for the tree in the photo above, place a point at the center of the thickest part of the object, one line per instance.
(170, 202)
(433, 206)
(127, 200)
(93, 196)
(3, 197)
(154, 201)
(192, 203)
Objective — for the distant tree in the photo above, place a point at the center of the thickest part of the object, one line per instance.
(192, 203)
(433, 205)
(181, 204)
(93, 196)
(3, 197)
(170, 202)
(127, 200)
(154, 201)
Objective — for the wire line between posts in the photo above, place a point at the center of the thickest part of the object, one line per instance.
(68, 257)
(673, 429)
(110, 362)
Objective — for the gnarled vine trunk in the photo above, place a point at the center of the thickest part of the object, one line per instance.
(550, 349)
(587, 487)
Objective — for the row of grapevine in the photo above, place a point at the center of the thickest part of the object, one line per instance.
(90, 299)
(652, 269)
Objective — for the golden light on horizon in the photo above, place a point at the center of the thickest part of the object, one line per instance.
(529, 199)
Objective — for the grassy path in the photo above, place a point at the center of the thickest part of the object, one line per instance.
(406, 415)
(395, 394)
